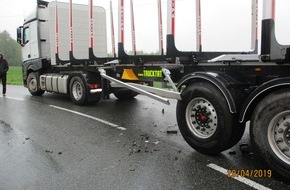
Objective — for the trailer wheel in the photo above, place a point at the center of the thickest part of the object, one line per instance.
(125, 94)
(78, 92)
(238, 132)
(33, 84)
(270, 132)
(204, 119)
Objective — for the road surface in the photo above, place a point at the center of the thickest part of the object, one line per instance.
(48, 142)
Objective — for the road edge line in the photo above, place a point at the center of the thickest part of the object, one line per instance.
(11, 98)
(90, 117)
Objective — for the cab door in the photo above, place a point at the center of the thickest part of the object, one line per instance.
(30, 42)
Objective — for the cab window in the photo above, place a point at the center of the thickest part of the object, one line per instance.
(26, 35)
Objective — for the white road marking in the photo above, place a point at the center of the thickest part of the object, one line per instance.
(239, 178)
(19, 99)
(90, 117)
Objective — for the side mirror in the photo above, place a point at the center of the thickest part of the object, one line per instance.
(19, 35)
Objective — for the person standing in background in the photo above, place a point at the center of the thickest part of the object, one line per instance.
(3, 73)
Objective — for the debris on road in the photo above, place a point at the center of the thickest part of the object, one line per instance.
(144, 145)
(137, 150)
(156, 142)
(244, 148)
(232, 152)
(171, 130)
(48, 151)
(251, 155)
(134, 143)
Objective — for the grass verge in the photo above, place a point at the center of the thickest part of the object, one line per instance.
(14, 75)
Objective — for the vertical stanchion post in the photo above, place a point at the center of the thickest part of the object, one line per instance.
(273, 9)
(133, 28)
(254, 42)
(171, 17)
(91, 24)
(269, 9)
(160, 27)
(198, 26)
(56, 29)
(112, 30)
(71, 26)
(121, 21)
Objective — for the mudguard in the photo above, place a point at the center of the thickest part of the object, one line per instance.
(226, 84)
(258, 94)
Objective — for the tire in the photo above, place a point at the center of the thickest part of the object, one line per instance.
(238, 132)
(33, 84)
(270, 132)
(204, 118)
(78, 91)
(125, 94)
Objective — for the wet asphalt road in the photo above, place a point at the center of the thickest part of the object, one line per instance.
(49, 143)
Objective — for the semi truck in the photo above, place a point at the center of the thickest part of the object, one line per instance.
(64, 49)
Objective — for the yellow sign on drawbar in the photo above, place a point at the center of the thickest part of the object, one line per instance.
(128, 74)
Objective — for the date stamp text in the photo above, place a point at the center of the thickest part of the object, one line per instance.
(250, 173)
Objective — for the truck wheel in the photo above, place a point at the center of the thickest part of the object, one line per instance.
(270, 132)
(125, 94)
(78, 92)
(204, 119)
(33, 84)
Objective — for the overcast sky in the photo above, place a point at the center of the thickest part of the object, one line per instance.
(226, 24)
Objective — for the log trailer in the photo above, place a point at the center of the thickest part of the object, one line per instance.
(65, 51)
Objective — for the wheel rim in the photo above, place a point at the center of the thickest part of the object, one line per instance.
(279, 136)
(33, 84)
(77, 90)
(201, 118)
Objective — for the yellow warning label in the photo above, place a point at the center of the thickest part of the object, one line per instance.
(128, 74)
(151, 73)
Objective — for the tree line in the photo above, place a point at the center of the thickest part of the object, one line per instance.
(10, 49)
